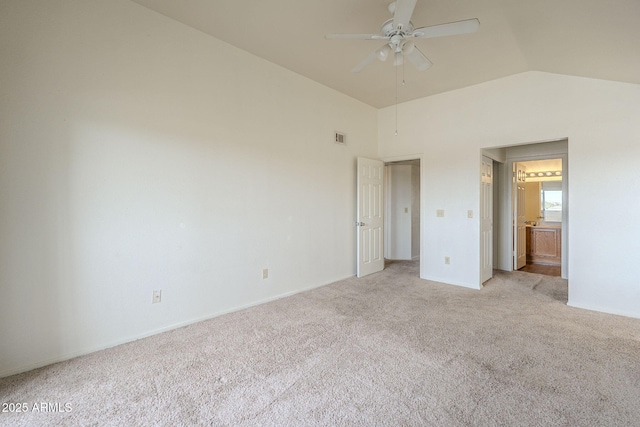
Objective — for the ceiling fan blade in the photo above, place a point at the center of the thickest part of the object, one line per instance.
(418, 59)
(366, 61)
(356, 36)
(450, 29)
(403, 12)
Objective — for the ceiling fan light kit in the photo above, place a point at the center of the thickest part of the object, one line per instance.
(383, 52)
(398, 33)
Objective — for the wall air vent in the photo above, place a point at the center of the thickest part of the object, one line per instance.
(340, 138)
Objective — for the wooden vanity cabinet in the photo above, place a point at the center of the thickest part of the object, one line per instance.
(544, 245)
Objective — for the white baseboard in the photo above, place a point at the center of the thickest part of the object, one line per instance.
(604, 310)
(72, 355)
(464, 285)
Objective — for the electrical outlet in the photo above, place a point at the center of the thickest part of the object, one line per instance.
(447, 260)
(469, 214)
(157, 296)
(440, 213)
(406, 210)
(265, 273)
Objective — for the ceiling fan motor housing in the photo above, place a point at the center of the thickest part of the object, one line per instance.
(389, 30)
(399, 32)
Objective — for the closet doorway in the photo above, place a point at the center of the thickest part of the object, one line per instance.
(402, 210)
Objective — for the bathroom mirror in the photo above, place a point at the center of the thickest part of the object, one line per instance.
(551, 201)
(543, 191)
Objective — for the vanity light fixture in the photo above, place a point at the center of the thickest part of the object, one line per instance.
(544, 173)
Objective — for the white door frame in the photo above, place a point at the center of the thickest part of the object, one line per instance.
(486, 217)
(505, 157)
(565, 204)
(505, 256)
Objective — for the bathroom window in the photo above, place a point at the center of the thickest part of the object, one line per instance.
(552, 201)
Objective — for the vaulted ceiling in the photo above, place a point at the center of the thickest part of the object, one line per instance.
(588, 38)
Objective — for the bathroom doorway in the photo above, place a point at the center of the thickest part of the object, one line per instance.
(506, 233)
(539, 210)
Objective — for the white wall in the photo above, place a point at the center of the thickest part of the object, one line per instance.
(600, 120)
(139, 154)
(532, 201)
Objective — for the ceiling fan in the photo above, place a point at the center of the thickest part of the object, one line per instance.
(398, 33)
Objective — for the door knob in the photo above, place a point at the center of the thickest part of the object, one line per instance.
(360, 224)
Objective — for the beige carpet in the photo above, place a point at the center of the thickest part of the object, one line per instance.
(389, 349)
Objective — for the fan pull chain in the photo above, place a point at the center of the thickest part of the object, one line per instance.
(396, 85)
(403, 72)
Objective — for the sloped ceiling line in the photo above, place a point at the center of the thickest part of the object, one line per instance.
(588, 38)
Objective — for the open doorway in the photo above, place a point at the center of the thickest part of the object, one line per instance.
(511, 230)
(402, 211)
(540, 212)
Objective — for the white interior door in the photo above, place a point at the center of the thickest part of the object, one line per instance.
(486, 219)
(370, 221)
(520, 228)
